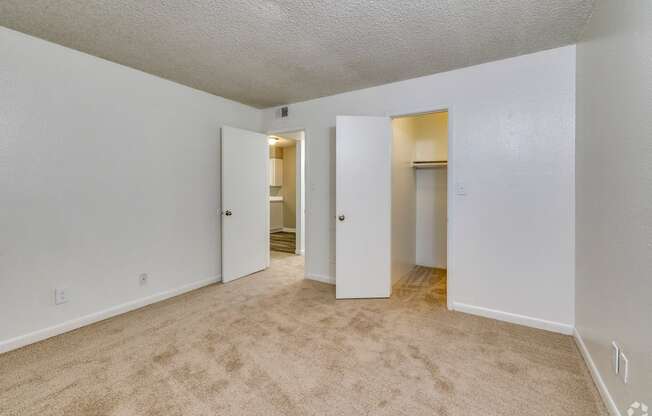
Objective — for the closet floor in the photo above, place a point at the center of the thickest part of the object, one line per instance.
(423, 281)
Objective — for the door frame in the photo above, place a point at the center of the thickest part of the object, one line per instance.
(302, 211)
(450, 184)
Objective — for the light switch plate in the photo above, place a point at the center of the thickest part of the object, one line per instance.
(460, 189)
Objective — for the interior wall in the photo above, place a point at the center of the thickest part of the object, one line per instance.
(614, 198)
(275, 152)
(432, 198)
(106, 173)
(403, 198)
(289, 187)
(431, 138)
(419, 197)
(512, 124)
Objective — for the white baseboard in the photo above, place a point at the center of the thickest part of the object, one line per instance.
(320, 278)
(289, 230)
(597, 378)
(299, 252)
(432, 265)
(552, 326)
(41, 334)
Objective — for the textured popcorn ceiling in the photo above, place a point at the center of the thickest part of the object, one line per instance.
(266, 53)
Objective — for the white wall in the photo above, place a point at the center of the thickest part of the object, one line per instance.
(431, 137)
(105, 173)
(431, 205)
(403, 198)
(512, 129)
(614, 195)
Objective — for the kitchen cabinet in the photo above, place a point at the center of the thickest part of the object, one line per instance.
(276, 172)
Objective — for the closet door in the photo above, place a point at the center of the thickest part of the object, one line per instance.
(363, 207)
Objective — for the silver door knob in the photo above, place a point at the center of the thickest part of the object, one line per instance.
(341, 218)
(228, 213)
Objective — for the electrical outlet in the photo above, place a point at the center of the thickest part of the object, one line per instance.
(143, 278)
(615, 357)
(624, 367)
(60, 296)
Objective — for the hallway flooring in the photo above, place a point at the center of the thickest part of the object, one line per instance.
(283, 242)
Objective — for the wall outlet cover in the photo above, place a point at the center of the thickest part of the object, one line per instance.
(60, 296)
(460, 189)
(143, 278)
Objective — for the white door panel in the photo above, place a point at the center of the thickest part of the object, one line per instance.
(363, 200)
(245, 203)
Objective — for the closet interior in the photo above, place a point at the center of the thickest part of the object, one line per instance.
(419, 197)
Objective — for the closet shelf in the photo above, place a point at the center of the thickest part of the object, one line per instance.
(429, 164)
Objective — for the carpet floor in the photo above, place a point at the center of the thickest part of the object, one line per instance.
(276, 344)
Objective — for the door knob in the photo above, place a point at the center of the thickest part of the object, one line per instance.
(228, 213)
(341, 218)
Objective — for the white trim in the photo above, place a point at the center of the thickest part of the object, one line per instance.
(41, 334)
(514, 318)
(595, 374)
(289, 230)
(268, 214)
(321, 278)
(433, 265)
(299, 252)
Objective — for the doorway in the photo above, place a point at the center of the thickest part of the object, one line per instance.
(393, 210)
(420, 200)
(287, 193)
(263, 201)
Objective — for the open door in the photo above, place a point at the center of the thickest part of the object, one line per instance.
(363, 199)
(245, 203)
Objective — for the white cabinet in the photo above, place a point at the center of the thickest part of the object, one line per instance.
(276, 172)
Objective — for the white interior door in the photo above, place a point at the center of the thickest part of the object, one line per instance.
(245, 203)
(363, 199)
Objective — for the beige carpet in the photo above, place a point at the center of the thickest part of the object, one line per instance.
(274, 344)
